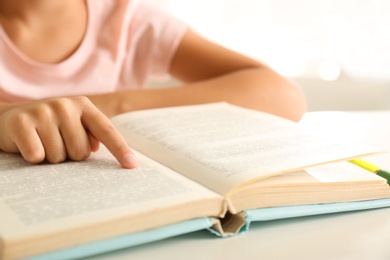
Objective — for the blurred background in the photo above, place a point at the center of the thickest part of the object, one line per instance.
(338, 51)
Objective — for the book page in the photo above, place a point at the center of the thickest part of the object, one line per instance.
(222, 146)
(38, 202)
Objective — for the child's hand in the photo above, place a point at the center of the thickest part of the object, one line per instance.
(59, 129)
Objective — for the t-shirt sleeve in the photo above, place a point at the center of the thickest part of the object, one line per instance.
(154, 36)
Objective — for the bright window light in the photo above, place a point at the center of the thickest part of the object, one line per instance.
(329, 70)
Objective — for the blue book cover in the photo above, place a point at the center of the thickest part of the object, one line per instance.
(126, 241)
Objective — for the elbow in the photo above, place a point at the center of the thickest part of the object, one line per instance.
(272, 93)
(293, 105)
(289, 102)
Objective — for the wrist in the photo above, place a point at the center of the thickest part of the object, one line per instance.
(125, 101)
(112, 104)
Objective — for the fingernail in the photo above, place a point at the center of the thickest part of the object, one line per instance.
(130, 161)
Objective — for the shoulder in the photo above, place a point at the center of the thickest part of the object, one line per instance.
(153, 36)
(141, 35)
(131, 18)
(145, 15)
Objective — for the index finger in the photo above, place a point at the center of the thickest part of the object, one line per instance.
(102, 128)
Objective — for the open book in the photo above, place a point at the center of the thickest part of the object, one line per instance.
(214, 166)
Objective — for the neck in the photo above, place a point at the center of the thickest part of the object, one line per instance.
(47, 31)
(29, 10)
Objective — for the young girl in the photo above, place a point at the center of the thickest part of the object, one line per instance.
(68, 65)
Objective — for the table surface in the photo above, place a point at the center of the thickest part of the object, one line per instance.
(352, 235)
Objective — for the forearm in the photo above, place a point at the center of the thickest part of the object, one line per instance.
(258, 88)
(3, 106)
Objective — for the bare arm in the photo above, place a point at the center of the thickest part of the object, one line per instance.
(211, 73)
(61, 128)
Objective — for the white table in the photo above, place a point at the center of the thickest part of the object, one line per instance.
(354, 235)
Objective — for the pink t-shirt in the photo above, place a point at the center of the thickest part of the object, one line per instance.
(126, 43)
